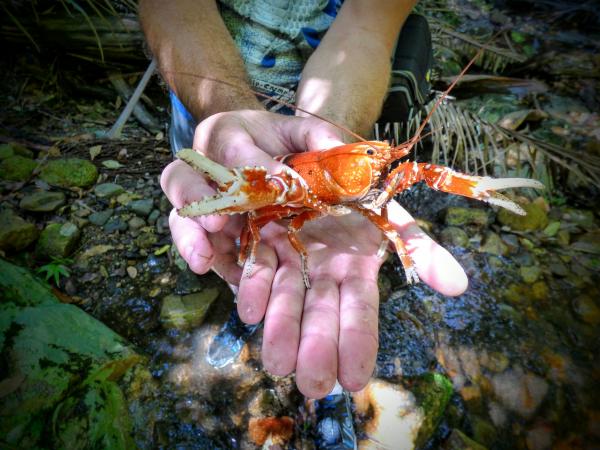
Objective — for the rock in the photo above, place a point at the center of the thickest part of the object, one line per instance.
(16, 168)
(69, 172)
(21, 150)
(101, 217)
(57, 240)
(6, 151)
(483, 431)
(153, 217)
(459, 441)
(115, 224)
(494, 361)
(132, 272)
(552, 228)
(519, 391)
(278, 429)
(135, 223)
(454, 236)
(141, 207)
(530, 274)
(580, 217)
(146, 240)
(164, 205)
(586, 310)
(557, 267)
(42, 201)
(539, 438)
(15, 233)
(493, 244)
(400, 418)
(65, 368)
(188, 311)
(458, 216)
(535, 219)
(588, 243)
(108, 190)
(511, 241)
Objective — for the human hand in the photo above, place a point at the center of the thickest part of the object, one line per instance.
(330, 330)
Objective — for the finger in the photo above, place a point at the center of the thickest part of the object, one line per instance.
(227, 142)
(191, 242)
(316, 367)
(312, 134)
(254, 292)
(183, 185)
(282, 321)
(435, 265)
(359, 304)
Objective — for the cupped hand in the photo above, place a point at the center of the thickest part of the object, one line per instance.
(328, 331)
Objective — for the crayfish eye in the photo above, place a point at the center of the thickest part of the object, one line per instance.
(370, 151)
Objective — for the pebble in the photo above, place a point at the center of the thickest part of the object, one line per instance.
(494, 245)
(42, 201)
(586, 310)
(530, 274)
(454, 236)
(520, 391)
(135, 223)
(132, 271)
(141, 207)
(15, 233)
(162, 225)
(101, 217)
(153, 217)
(108, 190)
(115, 224)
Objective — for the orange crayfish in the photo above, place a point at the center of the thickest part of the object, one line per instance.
(350, 178)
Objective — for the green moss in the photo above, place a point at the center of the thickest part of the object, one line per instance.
(16, 168)
(57, 240)
(535, 219)
(70, 172)
(433, 392)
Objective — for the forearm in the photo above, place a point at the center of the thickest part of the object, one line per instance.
(188, 37)
(346, 79)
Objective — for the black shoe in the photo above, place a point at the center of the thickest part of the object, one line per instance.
(410, 88)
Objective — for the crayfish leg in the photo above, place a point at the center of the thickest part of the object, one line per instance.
(294, 227)
(382, 223)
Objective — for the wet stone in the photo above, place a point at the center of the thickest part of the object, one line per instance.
(153, 217)
(511, 241)
(588, 243)
(164, 205)
(107, 190)
(536, 218)
(586, 310)
(460, 441)
(519, 391)
(58, 240)
(146, 240)
(135, 223)
(493, 244)
(141, 207)
(115, 224)
(69, 172)
(530, 274)
(42, 201)
(15, 233)
(188, 311)
(454, 236)
(16, 168)
(458, 216)
(101, 217)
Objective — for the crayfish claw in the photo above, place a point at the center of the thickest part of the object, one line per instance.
(200, 163)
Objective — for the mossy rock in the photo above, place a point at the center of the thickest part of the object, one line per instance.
(61, 377)
(17, 168)
(433, 392)
(70, 172)
(458, 216)
(58, 240)
(15, 233)
(535, 219)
